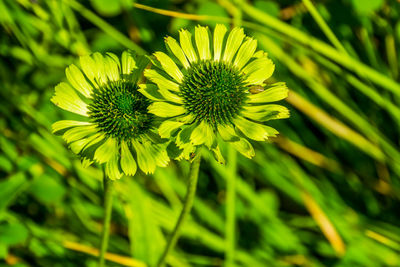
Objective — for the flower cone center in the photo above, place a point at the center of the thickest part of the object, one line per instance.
(120, 111)
(213, 91)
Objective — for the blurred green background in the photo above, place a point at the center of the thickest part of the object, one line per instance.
(324, 193)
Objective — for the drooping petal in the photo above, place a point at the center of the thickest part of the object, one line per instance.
(177, 51)
(265, 112)
(259, 70)
(185, 38)
(235, 38)
(79, 145)
(202, 42)
(166, 110)
(79, 132)
(64, 124)
(106, 151)
(145, 159)
(78, 81)
(244, 147)
(227, 133)
(245, 52)
(160, 154)
(160, 80)
(112, 168)
(128, 163)
(168, 127)
(254, 130)
(66, 98)
(277, 92)
(99, 137)
(169, 66)
(202, 134)
(219, 34)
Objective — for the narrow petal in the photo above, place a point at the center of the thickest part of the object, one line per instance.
(277, 92)
(177, 51)
(259, 70)
(254, 130)
(66, 98)
(128, 163)
(128, 62)
(89, 68)
(79, 145)
(115, 58)
(98, 138)
(112, 168)
(235, 38)
(169, 66)
(78, 81)
(219, 34)
(244, 147)
(112, 67)
(227, 133)
(202, 42)
(160, 154)
(265, 112)
(101, 73)
(246, 51)
(63, 124)
(165, 110)
(79, 132)
(160, 80)
(106, 150)
(202, 134)
(168, 127)
(185, 38)
(144, 157)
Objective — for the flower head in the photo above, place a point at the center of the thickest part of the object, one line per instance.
(115, 127)
(214, 89)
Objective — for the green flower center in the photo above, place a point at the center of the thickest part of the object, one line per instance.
(214, 91)
(120, 111)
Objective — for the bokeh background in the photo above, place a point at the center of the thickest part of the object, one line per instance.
(324, 193)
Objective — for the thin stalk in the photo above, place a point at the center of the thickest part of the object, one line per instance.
(230, 207)
(108, 198)
(323, 26)
(187, 206)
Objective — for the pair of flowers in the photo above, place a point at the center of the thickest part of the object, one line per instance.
(202, 93)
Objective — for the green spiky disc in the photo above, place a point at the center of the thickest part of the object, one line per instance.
(120, 110)
(213, 91)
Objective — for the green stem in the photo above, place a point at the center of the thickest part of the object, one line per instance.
(230, 207)
(108, 198)
(187, 206)
(324, 27)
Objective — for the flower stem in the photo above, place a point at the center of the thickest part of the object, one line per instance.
(230, 207)
(187, 206)
(108, 198)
